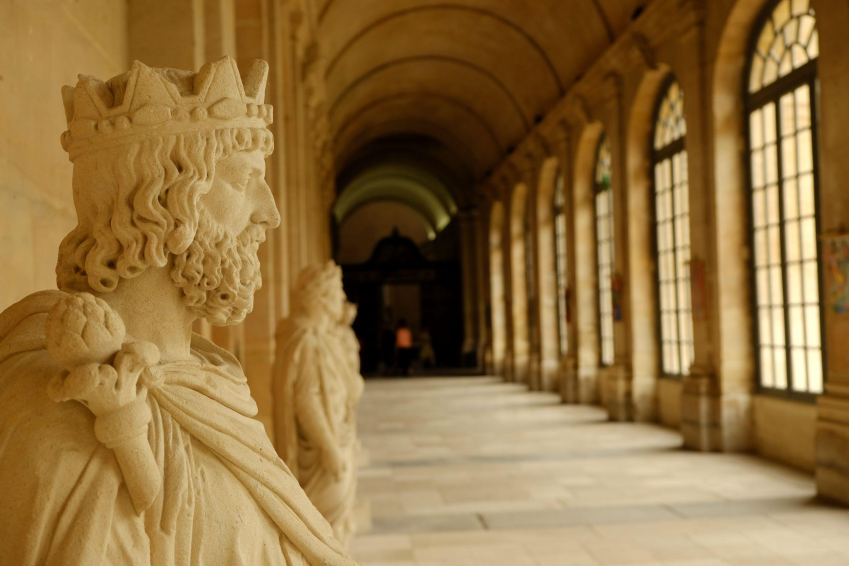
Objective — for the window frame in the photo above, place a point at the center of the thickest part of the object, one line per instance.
(561, 283)
(598, 188)
(806, 75)
(656, 157)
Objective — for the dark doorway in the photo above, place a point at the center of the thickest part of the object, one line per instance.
(398, 282)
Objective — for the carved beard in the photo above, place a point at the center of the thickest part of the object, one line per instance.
(219, 272)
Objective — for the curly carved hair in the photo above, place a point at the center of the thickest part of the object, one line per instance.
(138, 203)
(315, 286)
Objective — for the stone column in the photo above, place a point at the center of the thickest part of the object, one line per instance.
(530, 177)
(269, 22)
(615, 380)
(481, 222)
(509, 355)
(568, 369)
(701, 390)
(219, 31)
(547, 297)
(168, 33)
(584, 387)
(832, 444)
(467, 219)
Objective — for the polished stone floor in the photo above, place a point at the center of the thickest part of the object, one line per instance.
(471, 471)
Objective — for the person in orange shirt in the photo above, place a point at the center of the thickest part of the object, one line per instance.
(403, 346)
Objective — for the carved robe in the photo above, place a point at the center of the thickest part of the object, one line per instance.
(226, 497)
(313, 379)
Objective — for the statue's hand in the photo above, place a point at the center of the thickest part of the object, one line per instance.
(333, 462)
(110, 377)
(105, 388)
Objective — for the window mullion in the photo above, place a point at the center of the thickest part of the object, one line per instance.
(676, 306)
(813, 85)
(779, 147)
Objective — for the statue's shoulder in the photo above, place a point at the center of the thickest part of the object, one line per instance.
(19, 314)
(38, 426)
(296, 329)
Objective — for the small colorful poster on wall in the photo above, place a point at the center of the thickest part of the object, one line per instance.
(616, 292)
(837, 272)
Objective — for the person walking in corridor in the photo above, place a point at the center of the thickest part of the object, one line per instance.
(403, 346)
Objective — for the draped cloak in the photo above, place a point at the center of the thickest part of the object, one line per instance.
(226, 497)
(313, 363)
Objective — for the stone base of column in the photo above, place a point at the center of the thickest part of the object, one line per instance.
(549, 376)
(534, 372)
(714, 421)
(507, 371)
(644, 399)
(519, 368)
(832, 445)
(484, 353)
(469, 353)
(580, 384)
(615, 388)
(568, 377)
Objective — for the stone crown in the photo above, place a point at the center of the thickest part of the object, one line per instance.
(148, 101)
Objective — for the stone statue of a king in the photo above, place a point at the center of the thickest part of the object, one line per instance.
(317, 387)
(124, 437)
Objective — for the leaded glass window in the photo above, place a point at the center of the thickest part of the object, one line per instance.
(560, 262)
(604, 242)
(672, 233)
(783, 164)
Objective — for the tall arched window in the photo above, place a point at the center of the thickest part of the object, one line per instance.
(560, 262)
(604, 241)
(781, 104)
(672, 230)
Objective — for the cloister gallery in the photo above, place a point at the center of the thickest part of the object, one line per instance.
(617, 232)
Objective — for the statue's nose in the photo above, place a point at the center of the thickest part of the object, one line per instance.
(266, 213)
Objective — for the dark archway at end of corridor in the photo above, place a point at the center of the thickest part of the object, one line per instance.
(399, 284)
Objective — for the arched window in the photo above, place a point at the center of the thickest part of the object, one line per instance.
(781, 105)
(560, 262)
(672, 233)
(530, 290)
(604, 242)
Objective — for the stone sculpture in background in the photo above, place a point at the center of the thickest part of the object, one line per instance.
(317, 387)
(349, 341)
(125, 438)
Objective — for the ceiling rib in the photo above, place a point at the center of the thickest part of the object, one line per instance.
(501, 86)
(485, 13)
(454, 102)
(607, 27)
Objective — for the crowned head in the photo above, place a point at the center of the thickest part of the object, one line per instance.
(169, 172)
(319, 293)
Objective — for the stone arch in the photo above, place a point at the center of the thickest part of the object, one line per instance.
(497, 287)
(583, 386)
(735, 368)
(518, 283)
(645, 361)
(546, 275)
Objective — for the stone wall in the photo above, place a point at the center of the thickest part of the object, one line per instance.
(44, 44)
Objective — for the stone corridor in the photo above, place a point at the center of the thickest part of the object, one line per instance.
(474, 471)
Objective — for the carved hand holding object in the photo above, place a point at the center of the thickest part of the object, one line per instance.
(110, 377)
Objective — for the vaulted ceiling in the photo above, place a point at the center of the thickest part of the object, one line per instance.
(458, 82)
